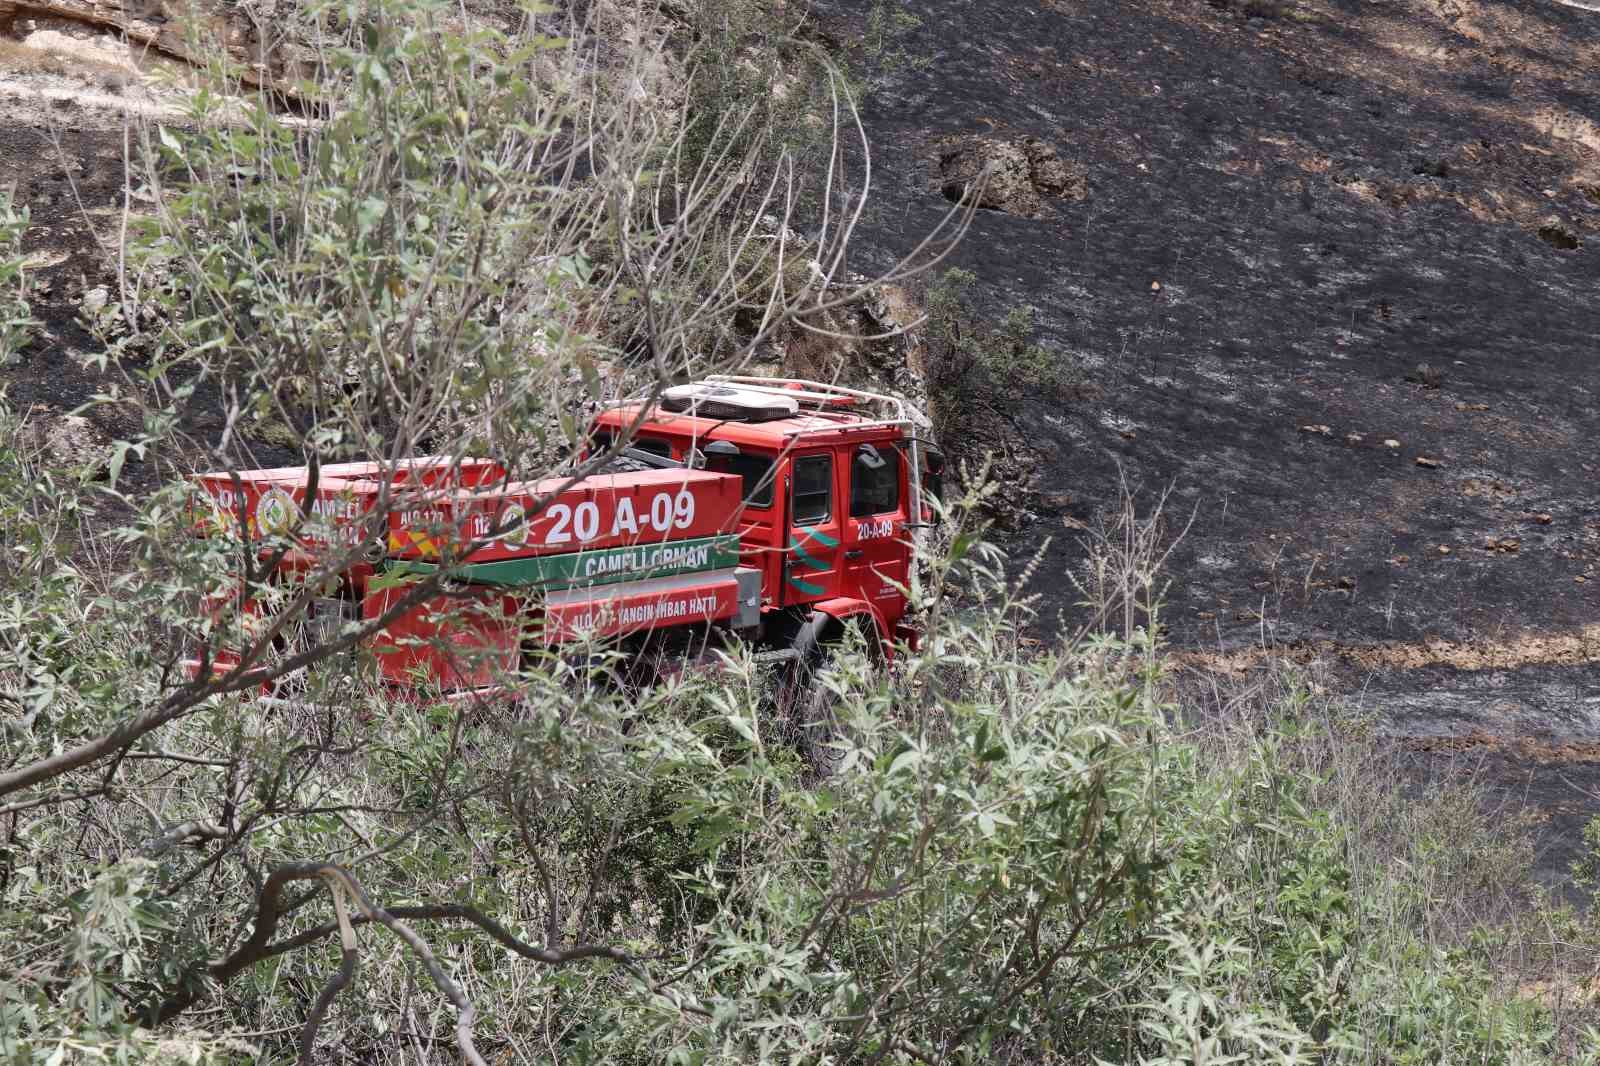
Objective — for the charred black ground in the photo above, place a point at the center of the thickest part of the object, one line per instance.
(1336, 281)
(66, 168)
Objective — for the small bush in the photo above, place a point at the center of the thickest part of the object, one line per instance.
(16, 325)
(965, 348)
(1265, 9)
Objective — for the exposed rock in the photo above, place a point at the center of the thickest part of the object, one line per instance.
(1556, 233)
(1427, 375)
(266, 58)
(71, 441)
(1017, 176)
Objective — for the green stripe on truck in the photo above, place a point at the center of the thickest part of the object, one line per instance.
(603, 567)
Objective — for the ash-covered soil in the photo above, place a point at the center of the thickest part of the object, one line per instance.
(1331, 271)
(67, 170)
(70, 102)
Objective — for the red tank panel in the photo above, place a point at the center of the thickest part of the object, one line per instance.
(444, 640)
(346, 492)
(611, 510)
(658, 603)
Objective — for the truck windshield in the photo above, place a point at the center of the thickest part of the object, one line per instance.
(601, 439)
(756, 470)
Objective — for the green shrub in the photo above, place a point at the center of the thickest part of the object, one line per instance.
(15, 323)
(967, 351)
(1026, 854)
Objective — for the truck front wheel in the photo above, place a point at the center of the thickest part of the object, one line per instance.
(808, 704)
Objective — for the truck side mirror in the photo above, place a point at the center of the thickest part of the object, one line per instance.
(715, 455)
(869, 457)
(933, 473)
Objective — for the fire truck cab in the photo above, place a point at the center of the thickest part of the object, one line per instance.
(833, 489)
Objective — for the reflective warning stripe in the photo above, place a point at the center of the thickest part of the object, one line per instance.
(801, 556)
(604, 567)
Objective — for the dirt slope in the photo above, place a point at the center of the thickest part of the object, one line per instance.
(67, 94)
(1285, 218)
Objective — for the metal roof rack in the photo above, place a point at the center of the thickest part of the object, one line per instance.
(822, 394)
(895, 412)
(898, 413)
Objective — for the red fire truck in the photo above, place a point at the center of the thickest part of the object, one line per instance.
(778, 512)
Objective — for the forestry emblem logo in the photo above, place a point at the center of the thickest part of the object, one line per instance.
(515, 523)
(274, 512)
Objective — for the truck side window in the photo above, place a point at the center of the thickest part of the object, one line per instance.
(875, 489)
(813, 489)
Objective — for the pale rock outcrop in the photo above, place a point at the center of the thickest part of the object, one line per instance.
(1019, 176)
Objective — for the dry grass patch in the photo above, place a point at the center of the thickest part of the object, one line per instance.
(19, 58)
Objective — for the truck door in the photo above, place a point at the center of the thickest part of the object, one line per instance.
(875, 539)
(811, 556)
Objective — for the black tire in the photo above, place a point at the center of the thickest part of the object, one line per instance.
(807, 704)
(823, 730)
(304, 634)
